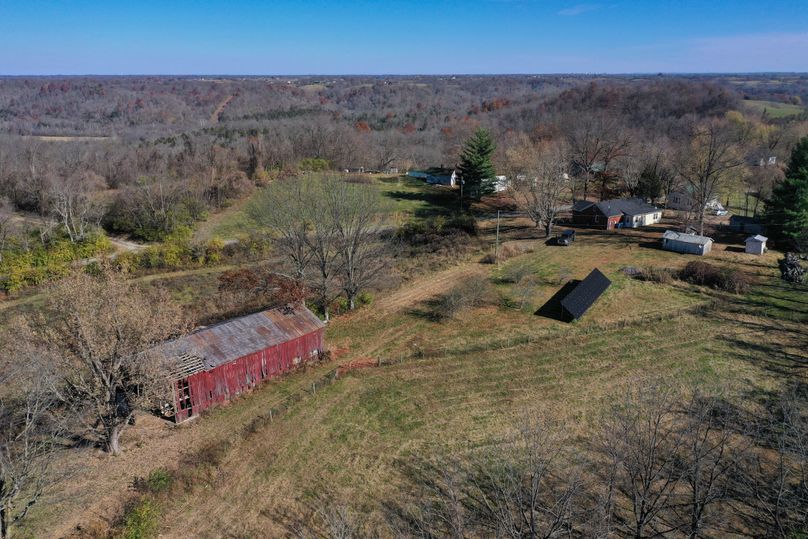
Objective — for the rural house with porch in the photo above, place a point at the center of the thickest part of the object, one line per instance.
(615, 213)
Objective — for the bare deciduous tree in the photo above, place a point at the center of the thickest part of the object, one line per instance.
(283, 208)
(71, 202)
(642, 446)
(596, 142)
(29, 431)
(356, 214)
(540, 184)
(101, 330)
(705, 165)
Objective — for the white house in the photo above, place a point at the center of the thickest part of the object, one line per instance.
(501, 184)
(756, 245)
(682, 200)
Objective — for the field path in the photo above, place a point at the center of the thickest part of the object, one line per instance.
(425, 288)
(214, 117)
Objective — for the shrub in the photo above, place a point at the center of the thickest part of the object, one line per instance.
(655, 275)
(702, 273)
(733, 281)
(314, 164)
(142, 521)
(475, 292)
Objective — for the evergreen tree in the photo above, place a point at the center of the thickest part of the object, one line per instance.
(787, 209)
(476, 169)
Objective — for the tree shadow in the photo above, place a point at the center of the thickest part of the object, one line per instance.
(552, 308)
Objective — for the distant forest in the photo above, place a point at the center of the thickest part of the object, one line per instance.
(145, 155)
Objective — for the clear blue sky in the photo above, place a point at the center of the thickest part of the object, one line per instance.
(400, 36)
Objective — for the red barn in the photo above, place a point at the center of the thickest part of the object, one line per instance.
(222, 361)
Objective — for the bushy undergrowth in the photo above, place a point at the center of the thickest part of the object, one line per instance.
(438, 236)
(656, 275)
(696, 272)
(474, 292)
(180, 251)
(34, 262)
(702, 273)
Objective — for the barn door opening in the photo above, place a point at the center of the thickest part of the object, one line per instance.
(184, 397)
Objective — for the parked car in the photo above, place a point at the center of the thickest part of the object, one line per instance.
(566, 237)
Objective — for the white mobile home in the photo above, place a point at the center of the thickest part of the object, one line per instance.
(686, 243)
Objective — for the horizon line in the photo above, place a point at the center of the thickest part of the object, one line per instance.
(524, 74)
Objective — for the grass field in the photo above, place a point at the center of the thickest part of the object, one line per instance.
(774, 109)
(409, 198)
(454, 385)
(444, 384)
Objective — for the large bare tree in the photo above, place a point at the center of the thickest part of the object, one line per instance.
(596, 143)
(540, 183)
(72, 202)
(356, 213)
(706, 163)
(101, 332)
(283, 208)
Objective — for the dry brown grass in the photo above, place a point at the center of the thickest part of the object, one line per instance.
(444, 386)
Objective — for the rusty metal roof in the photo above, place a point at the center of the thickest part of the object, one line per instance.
(227, 341)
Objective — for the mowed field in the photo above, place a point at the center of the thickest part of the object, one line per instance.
(774, 109)
(457, 384)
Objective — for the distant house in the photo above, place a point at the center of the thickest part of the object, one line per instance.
(445, 176)
(218, 363)
(420, 174)
(681, 242)
(750, 225)
(762, 160)
(615, 213)
(437, 176)
(682, 200)
(584, 295)
(756, 245)
(501, 183)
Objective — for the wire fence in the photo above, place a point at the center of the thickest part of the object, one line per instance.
(279, 408)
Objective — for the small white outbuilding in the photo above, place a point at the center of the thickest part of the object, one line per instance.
(686, 243)
(756, 245)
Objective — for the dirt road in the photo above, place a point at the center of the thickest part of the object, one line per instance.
(214, 117)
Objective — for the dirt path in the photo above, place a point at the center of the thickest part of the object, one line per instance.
(214, 117)
(424, 288)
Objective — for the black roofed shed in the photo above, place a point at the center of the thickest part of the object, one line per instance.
(584, 295)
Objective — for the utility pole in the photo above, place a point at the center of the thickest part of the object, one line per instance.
(496, 248)
(461, 195)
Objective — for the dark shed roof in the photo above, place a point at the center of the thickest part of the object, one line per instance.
(581, 205)
(581, 298)
(239, 337)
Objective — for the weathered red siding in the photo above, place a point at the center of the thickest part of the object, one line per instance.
(234, 378)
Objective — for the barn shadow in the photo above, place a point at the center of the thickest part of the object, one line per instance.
(552, 308)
